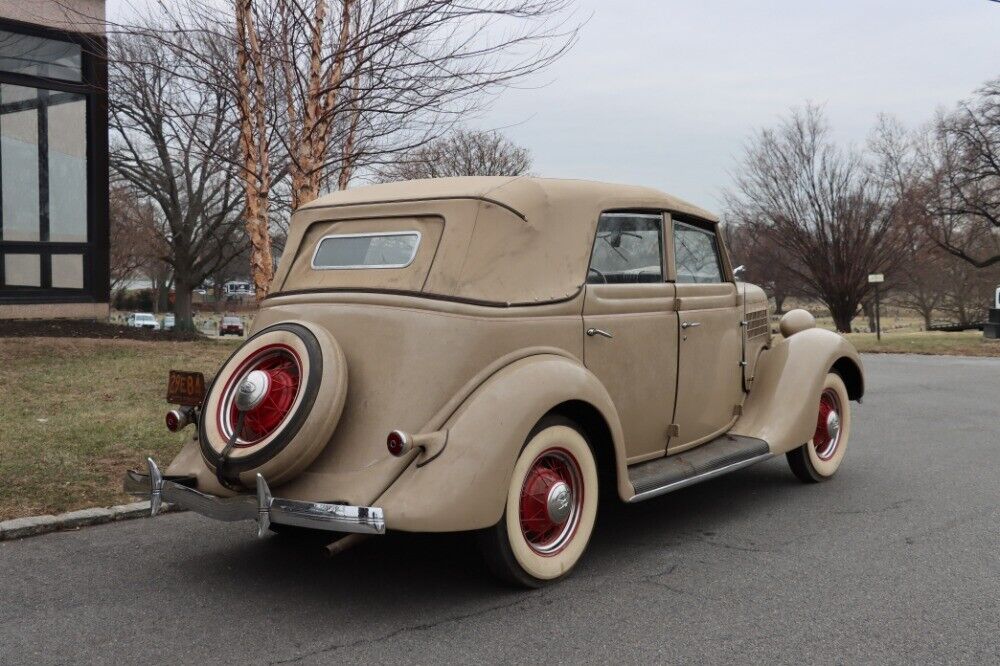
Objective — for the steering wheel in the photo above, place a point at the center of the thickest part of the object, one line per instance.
(601, 275)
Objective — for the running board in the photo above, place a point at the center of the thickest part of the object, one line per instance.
(722, 455)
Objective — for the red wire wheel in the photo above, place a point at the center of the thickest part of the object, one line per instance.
(551, 501)
(826, 439)
(283, 368)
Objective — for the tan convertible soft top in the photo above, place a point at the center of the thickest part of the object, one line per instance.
(506, 240)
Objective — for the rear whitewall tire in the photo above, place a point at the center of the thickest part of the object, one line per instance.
(506, 548)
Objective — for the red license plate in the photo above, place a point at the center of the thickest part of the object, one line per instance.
(185, 388)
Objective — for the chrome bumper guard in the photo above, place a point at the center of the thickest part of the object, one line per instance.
(262, 507)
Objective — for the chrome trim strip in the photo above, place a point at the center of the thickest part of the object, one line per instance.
(373, 234)
(690, 481)
(261, 507)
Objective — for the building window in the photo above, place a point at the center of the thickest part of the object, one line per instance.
(37, 56)
(53, 178)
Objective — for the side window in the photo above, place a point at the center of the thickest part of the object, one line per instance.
(628, 249)
(696, 254)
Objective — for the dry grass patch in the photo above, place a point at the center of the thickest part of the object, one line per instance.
(76, 413)
(966, 343)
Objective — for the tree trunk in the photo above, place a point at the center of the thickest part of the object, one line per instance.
(183, 319)
(869, 309)
(779, 303)
(254, 146)
(926, 314)
(842, 315)
(163, 297)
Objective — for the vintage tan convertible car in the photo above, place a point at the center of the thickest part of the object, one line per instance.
(490, 355)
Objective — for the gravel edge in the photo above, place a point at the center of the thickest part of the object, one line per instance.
(20, 528)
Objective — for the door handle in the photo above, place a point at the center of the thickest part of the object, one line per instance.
(690, 324)
(596, 331)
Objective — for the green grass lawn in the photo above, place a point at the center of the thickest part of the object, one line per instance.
(76, 413)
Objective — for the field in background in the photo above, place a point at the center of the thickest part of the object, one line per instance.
(903, 333)
(967, 343)
(76, 413)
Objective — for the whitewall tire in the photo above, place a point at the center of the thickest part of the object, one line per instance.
(550, 510)
(820, 457)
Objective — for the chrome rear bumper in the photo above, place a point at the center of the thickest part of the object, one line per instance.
(262, 507)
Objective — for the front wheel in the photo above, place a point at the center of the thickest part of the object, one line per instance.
(551, 507)
(819, 458)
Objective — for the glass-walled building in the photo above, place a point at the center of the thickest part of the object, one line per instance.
(53, 162)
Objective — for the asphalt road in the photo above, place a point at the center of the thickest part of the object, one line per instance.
(897, 560)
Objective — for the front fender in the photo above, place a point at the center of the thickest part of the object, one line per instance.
(465, 487)
(788, 379)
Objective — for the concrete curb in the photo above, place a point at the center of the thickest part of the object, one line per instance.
(19, 528)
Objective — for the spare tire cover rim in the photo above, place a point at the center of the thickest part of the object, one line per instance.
(275, 446)
(284, 369)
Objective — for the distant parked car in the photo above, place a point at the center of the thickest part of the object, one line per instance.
(168, 322)
(232, 325)
(142, 320)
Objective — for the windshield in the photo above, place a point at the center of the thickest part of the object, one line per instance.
(230, 320)
(144, 317)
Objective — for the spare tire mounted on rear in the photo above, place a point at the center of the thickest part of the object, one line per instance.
(287, 368)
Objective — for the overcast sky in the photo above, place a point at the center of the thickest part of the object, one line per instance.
(665, 92)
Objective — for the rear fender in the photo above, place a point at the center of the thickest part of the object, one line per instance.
(465, 486)
(781, 408)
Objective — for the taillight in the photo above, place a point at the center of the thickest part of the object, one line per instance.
(398, 443)
(178, 419)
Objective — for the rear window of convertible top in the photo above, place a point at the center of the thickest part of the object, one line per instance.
(394, 249)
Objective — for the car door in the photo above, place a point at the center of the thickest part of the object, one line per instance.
(630, 328)
(709, 386)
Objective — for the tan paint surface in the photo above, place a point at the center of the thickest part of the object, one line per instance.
(781, 408)
(422, 358)
(709, 372)
(638, 366)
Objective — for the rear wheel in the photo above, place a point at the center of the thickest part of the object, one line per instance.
(820, 457)
(551, 507)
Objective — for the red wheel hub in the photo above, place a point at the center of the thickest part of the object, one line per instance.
(281, 365)
(827, 435)
(551, 501)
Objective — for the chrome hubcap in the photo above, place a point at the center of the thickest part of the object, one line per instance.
(252, 390)
(559, 503)
(833, 424)
(826, 439)
(551, 501)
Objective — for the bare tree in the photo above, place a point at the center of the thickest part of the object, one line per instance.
(167, 139)
(133, 237)
(961, 157)
(829, 217)
(327, 88)
(915, 284)
(939, 236)
(758, 254)
(461, 153)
